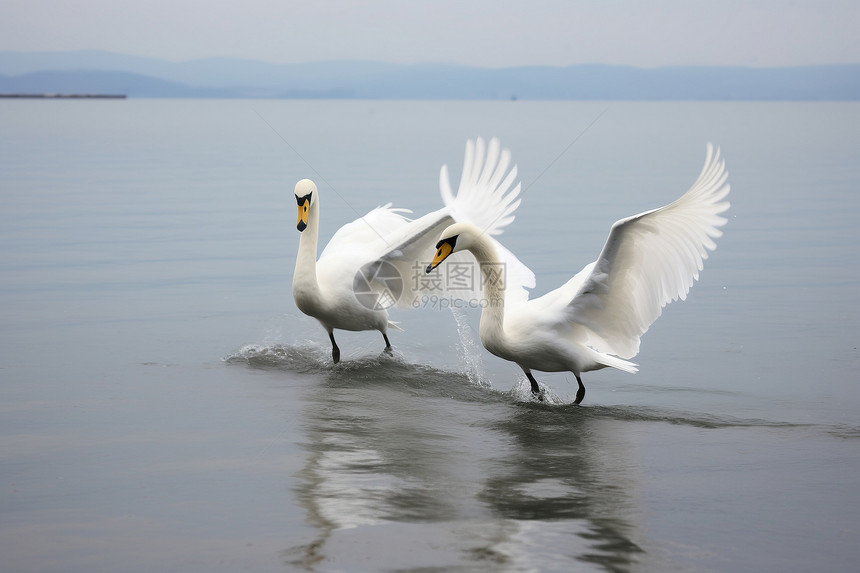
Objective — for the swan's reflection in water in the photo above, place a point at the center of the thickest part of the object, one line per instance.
(571, 474)
(412, 468)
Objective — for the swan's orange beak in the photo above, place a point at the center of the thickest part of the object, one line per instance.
(443, 249)
(302, 222)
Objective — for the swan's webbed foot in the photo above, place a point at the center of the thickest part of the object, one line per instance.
(580, 393)
(335, 351)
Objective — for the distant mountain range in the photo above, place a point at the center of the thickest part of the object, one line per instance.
(95, 72)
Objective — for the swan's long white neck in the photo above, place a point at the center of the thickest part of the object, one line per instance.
(493, 277)
(305, 285)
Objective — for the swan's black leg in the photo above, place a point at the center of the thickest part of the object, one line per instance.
(387, 344)
(580, 394)
(535, 388)
(335, 351)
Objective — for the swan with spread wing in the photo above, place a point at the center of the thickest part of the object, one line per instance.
(596, 319)
(369, 264)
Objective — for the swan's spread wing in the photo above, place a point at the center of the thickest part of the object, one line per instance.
(409, 252)
(487, 197)
(648, 261)
(367, 234)
(353, 246)
(488, 193)
(547, 309)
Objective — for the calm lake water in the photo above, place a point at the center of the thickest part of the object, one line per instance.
(165, 407)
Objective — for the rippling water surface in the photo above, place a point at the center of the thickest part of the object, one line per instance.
(166, 407)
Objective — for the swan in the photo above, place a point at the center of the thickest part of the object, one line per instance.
(596, 319)
(373, 262)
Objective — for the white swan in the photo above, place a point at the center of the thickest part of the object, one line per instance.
(595, 320)
(372, 263)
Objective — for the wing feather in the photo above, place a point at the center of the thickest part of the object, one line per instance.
(487, 196)
(648, 261)
(368, 233)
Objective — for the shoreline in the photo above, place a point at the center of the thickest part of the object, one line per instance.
(63, 96)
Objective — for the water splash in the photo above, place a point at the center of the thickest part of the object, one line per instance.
(522, 392)
(470, 350)
(303, 358)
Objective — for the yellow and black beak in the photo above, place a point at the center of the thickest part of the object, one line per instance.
(304, 204)
(443, 249)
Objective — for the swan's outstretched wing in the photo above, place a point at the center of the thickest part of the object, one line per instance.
(353, 246)
(648, 261)
(367, 234)
(487, 196)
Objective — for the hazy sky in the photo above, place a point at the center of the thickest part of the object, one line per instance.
(493, 33)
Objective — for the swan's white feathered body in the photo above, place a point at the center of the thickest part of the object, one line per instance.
(349, 287)
(596, 319)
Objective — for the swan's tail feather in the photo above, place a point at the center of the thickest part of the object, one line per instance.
(394, 325)
(618, 363)
(489, 193)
